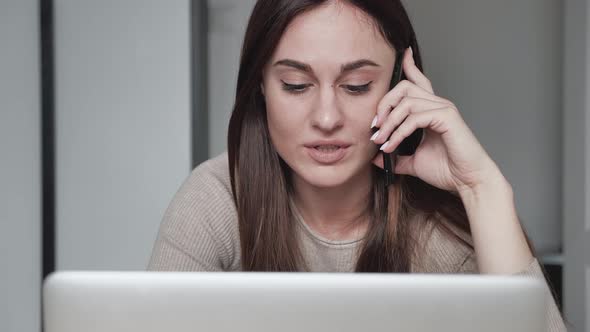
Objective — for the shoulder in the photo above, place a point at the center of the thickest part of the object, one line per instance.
(213, 173)
(442, 247)
(203, 211)
(206, 190)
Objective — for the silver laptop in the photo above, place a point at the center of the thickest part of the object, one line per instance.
(230, 302)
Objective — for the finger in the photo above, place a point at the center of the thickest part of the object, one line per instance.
(436, 120)
(406, 107)
(403, 89)
(413, 73)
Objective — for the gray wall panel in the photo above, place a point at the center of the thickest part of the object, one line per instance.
(576, 151)
(227, 25)
(122, 126)
(500, 62)
(20, 165)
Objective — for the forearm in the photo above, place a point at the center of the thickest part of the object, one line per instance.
(499, 241)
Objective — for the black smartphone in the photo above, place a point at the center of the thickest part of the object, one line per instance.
(409, 145)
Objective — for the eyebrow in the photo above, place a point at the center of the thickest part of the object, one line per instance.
(347, 67)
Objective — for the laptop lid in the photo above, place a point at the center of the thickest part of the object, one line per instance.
(229, 302)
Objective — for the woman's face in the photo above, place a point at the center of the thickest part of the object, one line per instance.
(322, 86)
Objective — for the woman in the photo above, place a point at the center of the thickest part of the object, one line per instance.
(302, 187)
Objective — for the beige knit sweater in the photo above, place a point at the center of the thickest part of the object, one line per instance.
(199, 232)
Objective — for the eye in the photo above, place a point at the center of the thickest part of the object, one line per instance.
(295, 88)
(358, 89)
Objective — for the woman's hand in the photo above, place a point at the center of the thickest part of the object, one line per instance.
(449, 156)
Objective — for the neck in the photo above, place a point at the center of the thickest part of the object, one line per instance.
(337, 212)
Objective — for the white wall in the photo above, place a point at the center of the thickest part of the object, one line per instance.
(122, 126)
(20, 167)
(505, 78)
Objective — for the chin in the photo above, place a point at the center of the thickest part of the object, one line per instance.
(326, 183)
(327, 177)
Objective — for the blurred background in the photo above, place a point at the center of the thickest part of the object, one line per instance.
(106, 106)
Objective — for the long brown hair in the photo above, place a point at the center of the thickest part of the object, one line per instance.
(260, 179)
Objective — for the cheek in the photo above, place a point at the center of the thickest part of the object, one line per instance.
(361, 112)
(285, 120)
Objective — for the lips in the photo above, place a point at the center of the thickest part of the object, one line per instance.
(327, 144)
(327, 148)
(327, 152)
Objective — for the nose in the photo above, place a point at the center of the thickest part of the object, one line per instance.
(327, 115)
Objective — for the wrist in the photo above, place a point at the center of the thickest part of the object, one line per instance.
(495, 185)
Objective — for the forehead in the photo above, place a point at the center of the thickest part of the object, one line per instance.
(335, 32)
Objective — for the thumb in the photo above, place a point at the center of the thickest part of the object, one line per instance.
(405, 165)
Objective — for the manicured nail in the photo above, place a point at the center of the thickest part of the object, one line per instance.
(375, 135)
(411, 51)
(374, 123)
(384, 146)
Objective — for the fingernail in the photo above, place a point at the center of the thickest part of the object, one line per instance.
(384, 146)
(411, 51)
(375, 135)
(374, 123)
